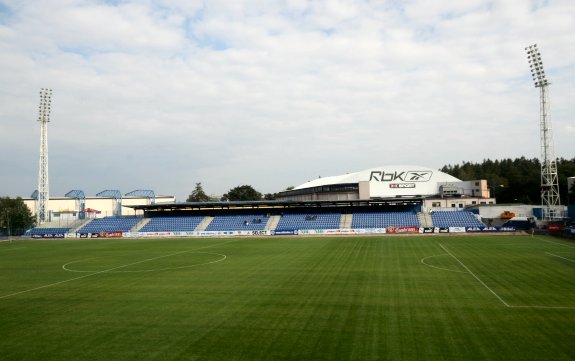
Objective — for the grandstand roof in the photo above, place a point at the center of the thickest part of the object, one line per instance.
(272, 204)
(392, 172)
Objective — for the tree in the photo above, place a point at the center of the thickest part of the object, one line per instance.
(571, 196)
(521, 177)
(198, 195)
(566, 169)
(242, 193)
(270, 196)
(15, 216)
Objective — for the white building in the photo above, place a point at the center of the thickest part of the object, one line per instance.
(435, 188)
(65, 209)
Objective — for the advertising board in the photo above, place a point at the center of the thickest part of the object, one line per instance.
(409, 229)
(489, 229)
(49, 235)
(285, 232)
(456, 229)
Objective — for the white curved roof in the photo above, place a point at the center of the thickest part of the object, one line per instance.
(391, 180)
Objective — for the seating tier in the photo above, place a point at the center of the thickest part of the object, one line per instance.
(455, 219)
(290, 222)
(250, 222)
(172, 224)
(382, 220)
(110, 224)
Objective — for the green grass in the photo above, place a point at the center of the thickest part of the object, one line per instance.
(349, 298)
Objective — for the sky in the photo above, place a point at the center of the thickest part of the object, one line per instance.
(164, 94)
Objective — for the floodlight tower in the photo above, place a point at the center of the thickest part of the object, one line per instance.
(43, 184)
(549, 178)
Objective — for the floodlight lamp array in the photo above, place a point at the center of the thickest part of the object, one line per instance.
(536, 65)
(45, 104)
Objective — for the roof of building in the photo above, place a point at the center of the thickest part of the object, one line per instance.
(274, 204)
(400, 173)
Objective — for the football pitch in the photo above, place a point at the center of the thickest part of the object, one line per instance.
(326, 298)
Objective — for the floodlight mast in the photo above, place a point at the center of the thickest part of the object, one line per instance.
(549, 180)
(43, 184)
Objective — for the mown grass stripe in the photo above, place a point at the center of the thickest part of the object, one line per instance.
(475, 276)
(365, 298)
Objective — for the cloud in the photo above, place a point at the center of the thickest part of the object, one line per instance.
(164, 94)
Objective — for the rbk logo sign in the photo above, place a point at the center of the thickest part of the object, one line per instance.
(409, 176)
(418, 176)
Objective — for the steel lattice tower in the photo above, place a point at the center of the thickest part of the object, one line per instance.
(43, 184)
(549, 180)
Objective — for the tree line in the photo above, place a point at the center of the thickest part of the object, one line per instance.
(239, 193)
(515, 180)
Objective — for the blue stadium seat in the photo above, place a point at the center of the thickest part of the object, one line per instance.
(110, 224)
(455, 219)
(172, 224)
(249, 222)
(49, 230)
(291, 222)
(384, 219)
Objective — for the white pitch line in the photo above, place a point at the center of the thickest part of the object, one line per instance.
(104, 271)
(477, 278)
(555, 255)
(65, 268)
(561, 244)
(223, 258)
(547, 307)
(440, 268)
(496, 295)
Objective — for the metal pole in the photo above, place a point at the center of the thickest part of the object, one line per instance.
(43, 183)
(550, 200)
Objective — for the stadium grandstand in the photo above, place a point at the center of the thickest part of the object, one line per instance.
(390, 199)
